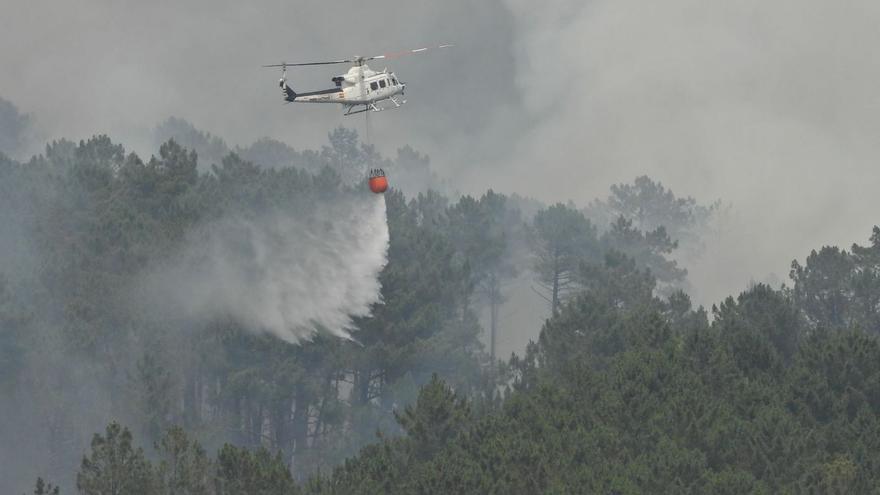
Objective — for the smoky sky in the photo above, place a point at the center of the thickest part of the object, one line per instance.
(121, 67)
(771, 106)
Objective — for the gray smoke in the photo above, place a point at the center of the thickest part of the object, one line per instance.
(768, 105)
(771, 106)
(121, 67)
(284, 274)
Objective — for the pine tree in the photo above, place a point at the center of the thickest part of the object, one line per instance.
(114, 466)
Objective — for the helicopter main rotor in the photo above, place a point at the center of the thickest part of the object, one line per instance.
(359, 61)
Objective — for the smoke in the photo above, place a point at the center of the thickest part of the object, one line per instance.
(288, 275)
(132, 64)
(770, 106)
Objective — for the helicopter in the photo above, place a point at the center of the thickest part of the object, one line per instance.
(361, 89)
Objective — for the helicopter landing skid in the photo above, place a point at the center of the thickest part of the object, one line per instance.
(351, 110)
(373, 107)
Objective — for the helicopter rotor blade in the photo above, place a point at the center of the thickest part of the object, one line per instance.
(363, 59)
(330, 62)
(407, 52)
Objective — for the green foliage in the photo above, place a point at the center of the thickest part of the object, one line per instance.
(627, 389)
(649, 205)
(14, 127)
(411, 172)
(650, 249)
(346, 156)
(837, 289)
(482, 231)
(43, 488)
(210, 148)
(115, 467)
(640, 395)
(434, 419)
(154, 400)
(562, 238)
(620, 281)
(12, 325)
(88, 223)
(184, 467)
(242, 472)
(269, 153)
(763, 316)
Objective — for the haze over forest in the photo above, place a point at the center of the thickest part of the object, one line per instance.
(761, 105)
(185, 258)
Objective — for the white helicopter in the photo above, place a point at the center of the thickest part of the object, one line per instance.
(361, 89)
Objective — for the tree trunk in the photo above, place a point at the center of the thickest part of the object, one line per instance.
(300, 425)
(257, 426)
(279, 426)
(361, 391)
(555, 301)
(493, 326)
(191, 402)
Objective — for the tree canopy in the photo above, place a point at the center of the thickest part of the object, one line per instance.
(626, 388)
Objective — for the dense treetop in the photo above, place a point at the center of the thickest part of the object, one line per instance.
(627, 388)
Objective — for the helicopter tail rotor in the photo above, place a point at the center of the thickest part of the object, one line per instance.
(286, 91)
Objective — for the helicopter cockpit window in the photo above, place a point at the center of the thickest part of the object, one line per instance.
(382, 83)
(374, 86)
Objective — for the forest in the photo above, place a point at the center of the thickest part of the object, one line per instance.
(627, 388)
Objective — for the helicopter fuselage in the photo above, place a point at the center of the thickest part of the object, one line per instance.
(360, 86)
(361, 89)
